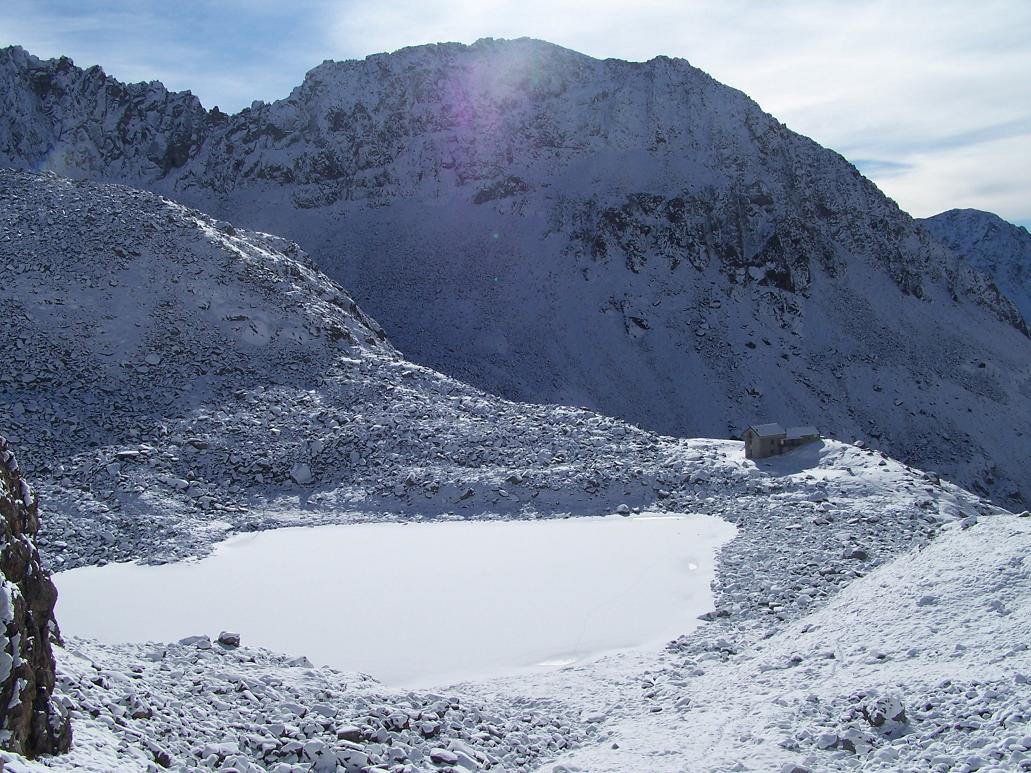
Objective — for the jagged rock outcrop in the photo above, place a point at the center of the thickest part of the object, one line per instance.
(31, 723)
(114, 131)
(633, 237)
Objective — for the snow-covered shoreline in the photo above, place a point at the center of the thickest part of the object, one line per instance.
(841, 520)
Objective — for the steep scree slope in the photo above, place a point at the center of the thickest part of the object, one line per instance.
(174, 378)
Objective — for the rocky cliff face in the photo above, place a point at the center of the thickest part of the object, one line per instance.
(634, 237)
(30, 722)
(82, 122)
(999, 249)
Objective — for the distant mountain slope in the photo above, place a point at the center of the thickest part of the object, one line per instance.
(634, 237)
(999, 249)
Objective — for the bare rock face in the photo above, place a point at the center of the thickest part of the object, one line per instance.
(30, 722)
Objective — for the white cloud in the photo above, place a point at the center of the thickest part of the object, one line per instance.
(991, 176)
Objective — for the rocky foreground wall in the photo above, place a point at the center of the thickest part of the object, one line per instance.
(30, 722)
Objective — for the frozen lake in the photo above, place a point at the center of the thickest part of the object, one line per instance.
(420, 604)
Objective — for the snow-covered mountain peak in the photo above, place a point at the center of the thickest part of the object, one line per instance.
(992, 245)
(987, 238)
(633, 237)
(975, 219)
(503, 102)
(983, 238)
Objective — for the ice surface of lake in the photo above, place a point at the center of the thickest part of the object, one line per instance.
(420, 604)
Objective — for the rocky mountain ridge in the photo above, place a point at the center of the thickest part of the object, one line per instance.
(373, 130)
(632, 237)
(999, 249)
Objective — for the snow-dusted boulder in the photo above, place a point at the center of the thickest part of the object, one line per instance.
(301, 473)
(229, 639)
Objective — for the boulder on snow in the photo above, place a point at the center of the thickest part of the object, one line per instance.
(885, 712)
(443, 757)
(200, 642)
(31, 723)
(229, 639)
(301, 473)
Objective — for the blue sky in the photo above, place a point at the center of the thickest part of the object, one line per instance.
(932, 100)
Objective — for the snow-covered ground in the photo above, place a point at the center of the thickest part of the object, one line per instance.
(923, 665)
(806, 633)
(473, 599)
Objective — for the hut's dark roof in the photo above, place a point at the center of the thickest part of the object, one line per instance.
(767, 430)
(797, 433)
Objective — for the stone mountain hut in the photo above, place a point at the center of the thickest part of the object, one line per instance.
(762, 440)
